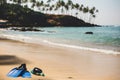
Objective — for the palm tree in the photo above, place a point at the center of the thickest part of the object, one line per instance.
(46, 10)
(76, 14)
(43, 9)
(70, 5)
(66, 7)
(38, 4)
(50, 9)
(77, 6)
(62, 4)
(56, 8)
(48, 1)
(93, 18)
(97, 10)
(92, 12)
(3, 2)
(19, 2)
(33, 5)
(69, 2)
(33, 1)
(24, 1)
(94, 15)
(47, 7)
(25, 6)
(85, 10)
(58, 5)
(81, 10)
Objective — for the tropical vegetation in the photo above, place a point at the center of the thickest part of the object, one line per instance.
(59, 7)
(50, 13)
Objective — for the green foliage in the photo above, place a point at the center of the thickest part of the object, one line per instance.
(3, 2)
(63, 7)
(18, 15)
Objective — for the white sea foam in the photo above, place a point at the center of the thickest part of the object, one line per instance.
(15, 37)
(83, 48)
(39, 41)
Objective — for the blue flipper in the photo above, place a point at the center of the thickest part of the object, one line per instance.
(15, 72)
(26, 74)
(11, 72)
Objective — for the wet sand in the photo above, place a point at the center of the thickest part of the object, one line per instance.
(58, 63)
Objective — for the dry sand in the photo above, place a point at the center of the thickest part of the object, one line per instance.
(58, 63)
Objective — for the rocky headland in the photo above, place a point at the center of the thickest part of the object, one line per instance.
(18, 16)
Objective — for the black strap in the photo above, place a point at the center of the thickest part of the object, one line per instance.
(22, 66)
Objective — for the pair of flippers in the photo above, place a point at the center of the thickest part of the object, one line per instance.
(19, 71)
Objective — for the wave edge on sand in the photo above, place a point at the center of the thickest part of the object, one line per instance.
(25, 39)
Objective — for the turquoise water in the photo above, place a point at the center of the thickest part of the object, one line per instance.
(106, 37)
(103, 36)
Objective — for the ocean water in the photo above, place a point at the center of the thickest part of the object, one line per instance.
(105, 39)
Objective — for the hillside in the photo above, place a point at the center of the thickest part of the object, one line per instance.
(66, 20)
(25, 17)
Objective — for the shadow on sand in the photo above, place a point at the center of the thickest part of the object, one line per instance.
(10, 60)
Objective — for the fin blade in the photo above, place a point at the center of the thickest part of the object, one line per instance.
(15, 73)
(26, 74)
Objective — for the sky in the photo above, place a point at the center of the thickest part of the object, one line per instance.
(109, 10)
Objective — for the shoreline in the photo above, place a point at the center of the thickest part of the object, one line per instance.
(103, 48)
(59, 63)
(89, 47)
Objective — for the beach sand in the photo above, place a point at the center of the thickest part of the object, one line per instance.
(58, 63)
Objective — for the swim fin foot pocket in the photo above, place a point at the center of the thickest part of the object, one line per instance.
(19, 71)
